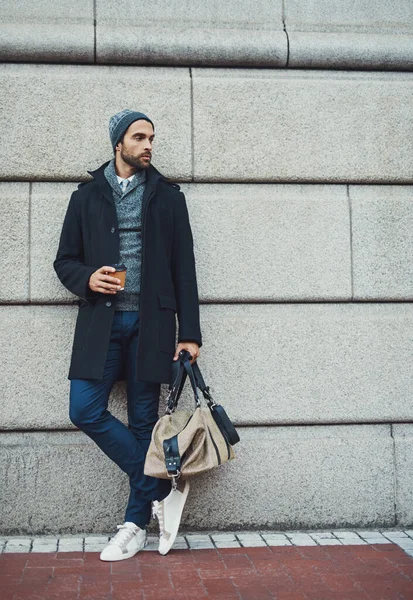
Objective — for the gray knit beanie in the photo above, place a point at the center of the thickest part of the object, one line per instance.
(119, 123)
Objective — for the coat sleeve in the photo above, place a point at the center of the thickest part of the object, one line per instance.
(69, 263)
(184, 275)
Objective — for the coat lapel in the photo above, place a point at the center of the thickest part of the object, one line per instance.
(99, 176)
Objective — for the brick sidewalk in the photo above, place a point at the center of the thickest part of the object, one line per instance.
(376, 572)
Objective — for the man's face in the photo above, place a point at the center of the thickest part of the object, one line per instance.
(136, 147)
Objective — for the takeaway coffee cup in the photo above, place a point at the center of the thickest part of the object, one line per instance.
(120, 274)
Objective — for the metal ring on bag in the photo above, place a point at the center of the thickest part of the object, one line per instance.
(177, 476)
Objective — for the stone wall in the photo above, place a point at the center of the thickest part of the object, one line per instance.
(289, 126)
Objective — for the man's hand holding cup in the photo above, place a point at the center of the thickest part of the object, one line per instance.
(108, 279)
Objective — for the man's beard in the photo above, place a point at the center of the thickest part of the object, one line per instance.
(135, 161)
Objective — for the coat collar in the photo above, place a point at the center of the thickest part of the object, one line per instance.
(153, 176)
(111, 176)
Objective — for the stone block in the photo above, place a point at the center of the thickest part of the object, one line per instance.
(395, 535)
(403, 440)
(338, 50)
(17, 546)
(309, 363)
(266, 363)
(251, 540)
(54, 485)
(270, 242)
(347, 535)
(197, 537)
(91, 540)
(319, 476)
(46, 30)
(324, 126)
(176, 546)
(382, 241)
(70, 545)
(228, 545)
(14, 236)
(349, 35)
(153, 544)
(301, 539)
(35, 365)
(278, 542)
(406, 545)
(68, 108)
(398, 537)
(356, 542)
(44, 545)
(199, 542)
(392, 16)
(191, 33)
(223, 537)
(324, 539)
(48, 208)
(276, 539)
(312, 477)
(180, 539)
(95, 547)
(370, 535)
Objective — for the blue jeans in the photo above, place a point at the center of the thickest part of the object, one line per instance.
(126, 446)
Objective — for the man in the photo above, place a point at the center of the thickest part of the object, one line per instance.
(129, 213)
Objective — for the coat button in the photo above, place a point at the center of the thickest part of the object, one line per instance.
(112, 230)
(108, 303)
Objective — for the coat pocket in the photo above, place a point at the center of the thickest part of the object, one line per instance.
(167, 323)
(167, 302)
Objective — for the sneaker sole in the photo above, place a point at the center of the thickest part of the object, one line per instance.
(124, 556)
(165, 551)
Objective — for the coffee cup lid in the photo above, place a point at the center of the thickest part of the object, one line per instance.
(119, 267)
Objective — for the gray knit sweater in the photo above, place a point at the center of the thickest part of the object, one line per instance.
(129, 210)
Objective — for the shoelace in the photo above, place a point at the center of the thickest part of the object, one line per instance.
(123, 537)
(157, 511)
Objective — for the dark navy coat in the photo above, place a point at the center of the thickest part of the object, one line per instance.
(90, 240)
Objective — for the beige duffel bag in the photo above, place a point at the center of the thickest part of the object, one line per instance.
(184, 443)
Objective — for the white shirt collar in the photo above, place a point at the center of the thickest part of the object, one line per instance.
(120, 179)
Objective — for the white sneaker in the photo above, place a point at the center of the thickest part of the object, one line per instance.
(126, 543)
(169, 512)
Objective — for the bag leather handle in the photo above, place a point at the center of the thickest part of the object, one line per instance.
(179, 373)
(180, 369)
(176, 385)
(190, 373)
(201, 383)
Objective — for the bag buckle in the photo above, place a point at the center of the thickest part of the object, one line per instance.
(210, 401)
(174, 477)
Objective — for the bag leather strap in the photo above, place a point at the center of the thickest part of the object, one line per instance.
(190, 373)
(218, 412)
(176, 385)
(180, 369)
(172, 457)
(201, 383)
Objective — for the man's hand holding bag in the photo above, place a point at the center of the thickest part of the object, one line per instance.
(186, 443)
